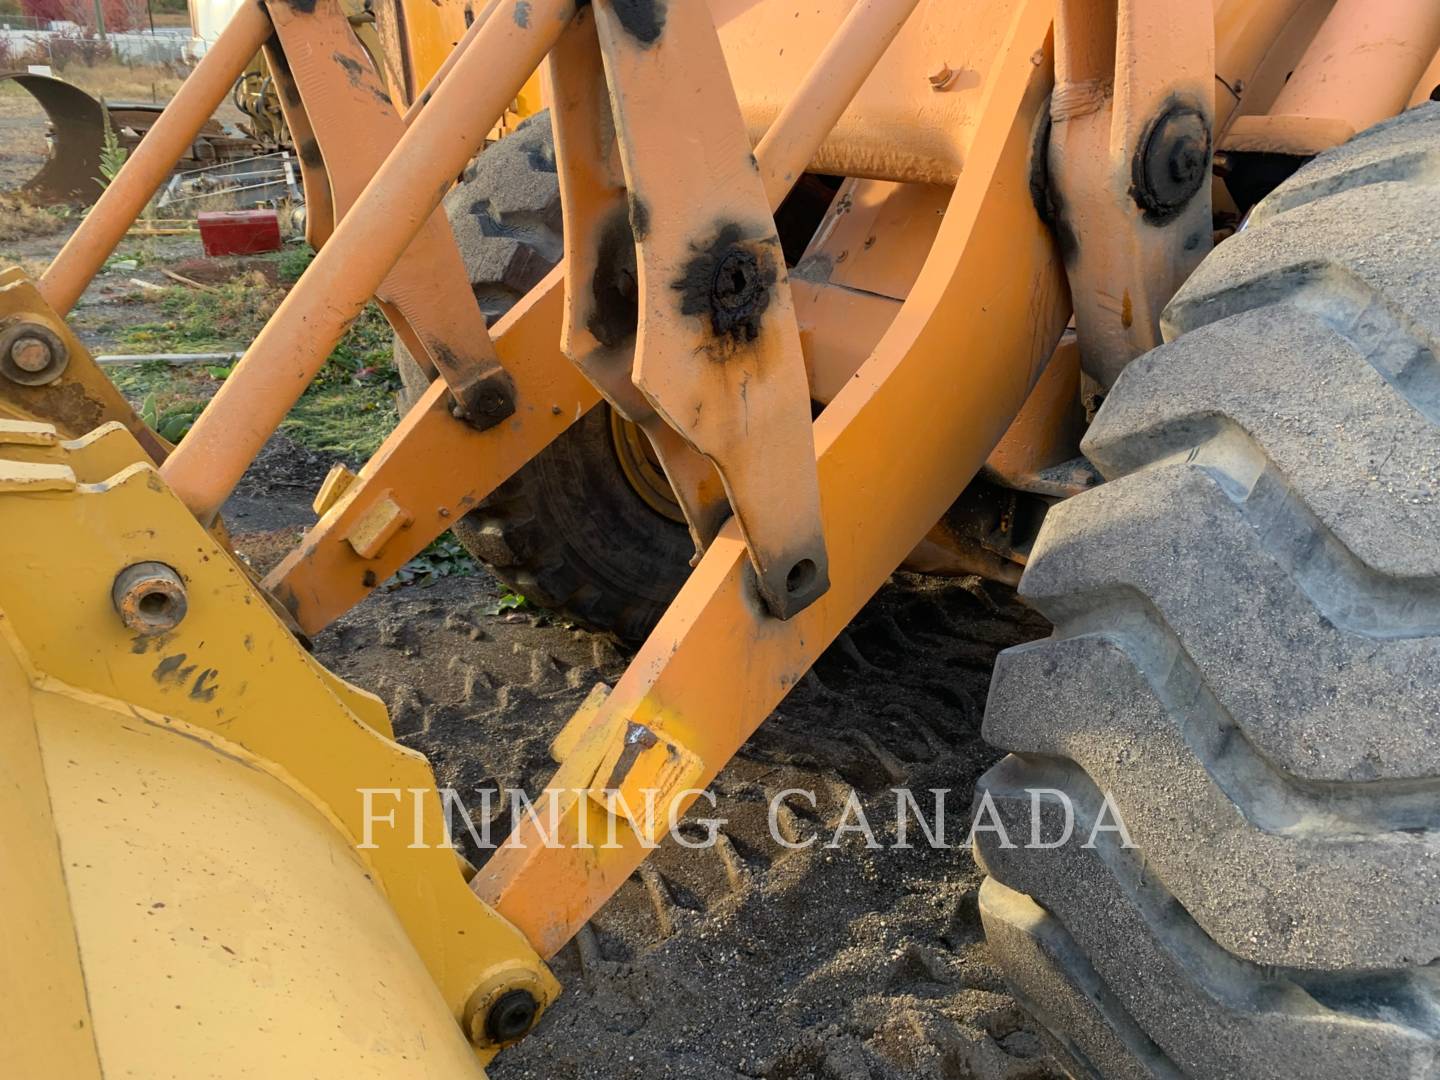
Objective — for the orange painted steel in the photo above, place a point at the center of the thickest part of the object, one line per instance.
(1256, 48)
(894, 449)
(433, 469)
(808, 117)
(717, 351)
(1428, 88)
(601, 287)
(426, 295)
(151, 161)
(326, 576)
(900, 125)
(1362, 67)
(1128, 77)
(447, 64)
(292, 347)
(416, 40)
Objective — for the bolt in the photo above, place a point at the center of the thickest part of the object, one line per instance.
(30, 354)
(149, 597)
(512, 1015)
(1172, 164)
(942, 78)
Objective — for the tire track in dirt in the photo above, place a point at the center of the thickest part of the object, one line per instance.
(745, 959)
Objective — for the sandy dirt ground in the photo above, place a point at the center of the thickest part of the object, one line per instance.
(747, 959)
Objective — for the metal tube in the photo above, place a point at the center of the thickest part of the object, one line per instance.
(150, 163)
(290, 350)
(1364, 63)
(830, 85)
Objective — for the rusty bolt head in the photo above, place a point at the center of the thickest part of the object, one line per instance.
(149, 597)
(30, 354)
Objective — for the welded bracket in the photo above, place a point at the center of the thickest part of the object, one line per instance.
(717, 347)
(1129, 154)
(343, 116)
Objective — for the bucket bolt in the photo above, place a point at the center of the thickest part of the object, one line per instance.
(149, 597)
(511, 1016)
(504, 1008)
(32, 354)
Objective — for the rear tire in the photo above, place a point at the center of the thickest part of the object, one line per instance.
(1246, 660)
(569, 532)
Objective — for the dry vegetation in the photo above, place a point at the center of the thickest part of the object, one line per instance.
(21, 219)
(109, 80)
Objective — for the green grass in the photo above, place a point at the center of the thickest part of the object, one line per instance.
(292, 261)
(348, 410)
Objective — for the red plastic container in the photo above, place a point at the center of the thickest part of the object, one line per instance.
(239, 232)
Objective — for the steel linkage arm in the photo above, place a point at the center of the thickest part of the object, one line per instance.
(1132, 118)
(292, 347)
(426, 296)
(338, 563)
(894, 449)
(601, 276)
(717, 349)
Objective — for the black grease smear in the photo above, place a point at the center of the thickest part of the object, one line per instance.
(355, 71)
(204, 689)
(615, 290)
(639, 219)
(173, 669)
(729, 283)
(353, 68)
(644, 20)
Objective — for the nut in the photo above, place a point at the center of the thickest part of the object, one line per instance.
(505, 1006)
(149, 597)
(511, 1016)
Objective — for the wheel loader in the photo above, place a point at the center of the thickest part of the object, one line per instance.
(1134, 303)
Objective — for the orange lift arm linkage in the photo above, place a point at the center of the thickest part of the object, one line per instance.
(399, 199)
(894, 448)
(402, 499)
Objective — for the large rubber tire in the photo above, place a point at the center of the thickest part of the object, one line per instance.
(568, 531)
(1246, 660)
